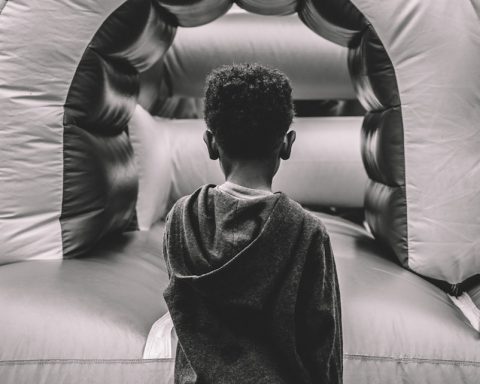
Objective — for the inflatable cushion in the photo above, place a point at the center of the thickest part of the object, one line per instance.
(266, 7)
(85, 320)
(418, 79)
(190, 13)
(397, 328)
(316, 67)
(325, 168)
(152, 150)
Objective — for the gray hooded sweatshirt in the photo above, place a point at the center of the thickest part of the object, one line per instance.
(253, 291)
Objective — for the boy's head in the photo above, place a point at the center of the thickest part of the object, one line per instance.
(248, 110)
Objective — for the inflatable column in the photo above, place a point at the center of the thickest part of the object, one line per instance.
(69, 82)
(415, 67)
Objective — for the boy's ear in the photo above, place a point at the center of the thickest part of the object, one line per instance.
(211, 144)
(288, 141)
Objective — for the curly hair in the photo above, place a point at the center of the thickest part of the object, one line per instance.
(248, 108)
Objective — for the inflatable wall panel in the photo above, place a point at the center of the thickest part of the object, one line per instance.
(85, 320)
(420, 139)
(439, 99)
(325, 169)
(283, 43)
(34, 84)
(68, 174)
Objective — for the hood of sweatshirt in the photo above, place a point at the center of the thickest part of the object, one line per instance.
(224, 246)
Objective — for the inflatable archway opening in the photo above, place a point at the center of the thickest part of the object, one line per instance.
(400, 200)
(88, 187)
(421, 198)
(318, 71)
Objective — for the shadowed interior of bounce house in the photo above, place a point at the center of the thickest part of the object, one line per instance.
(101, 129)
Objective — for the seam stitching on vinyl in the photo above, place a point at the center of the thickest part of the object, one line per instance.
(85, 361)
(409, 360)
(405, 360)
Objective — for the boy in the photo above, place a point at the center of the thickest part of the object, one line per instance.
(253, 292)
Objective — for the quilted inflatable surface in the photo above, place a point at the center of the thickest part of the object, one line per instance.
(397, 327)
(85, 320)
(97, 312)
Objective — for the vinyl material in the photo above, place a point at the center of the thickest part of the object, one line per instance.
(137, 32)
(37, 65)
(325, 167)
(267, 7)
(85, 320)
(336, 20)
(434, 48)
(192, 13)
(373, 73)
(382, 146)
(316, 67)
(397, 327)
(102, 96)
(100, 188)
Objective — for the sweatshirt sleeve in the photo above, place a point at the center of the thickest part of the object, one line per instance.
(319, 327)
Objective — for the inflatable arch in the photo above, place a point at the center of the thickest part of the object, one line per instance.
(82, 155)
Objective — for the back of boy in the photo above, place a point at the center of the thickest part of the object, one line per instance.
(253, 290)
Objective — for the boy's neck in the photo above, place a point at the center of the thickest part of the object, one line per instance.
(250, 174)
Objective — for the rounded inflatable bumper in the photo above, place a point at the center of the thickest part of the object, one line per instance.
(85, 320)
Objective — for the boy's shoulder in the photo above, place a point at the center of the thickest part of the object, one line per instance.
(294, 210)
(184, 200)
(311, 221)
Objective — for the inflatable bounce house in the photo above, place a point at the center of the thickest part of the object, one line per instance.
(100, 132)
